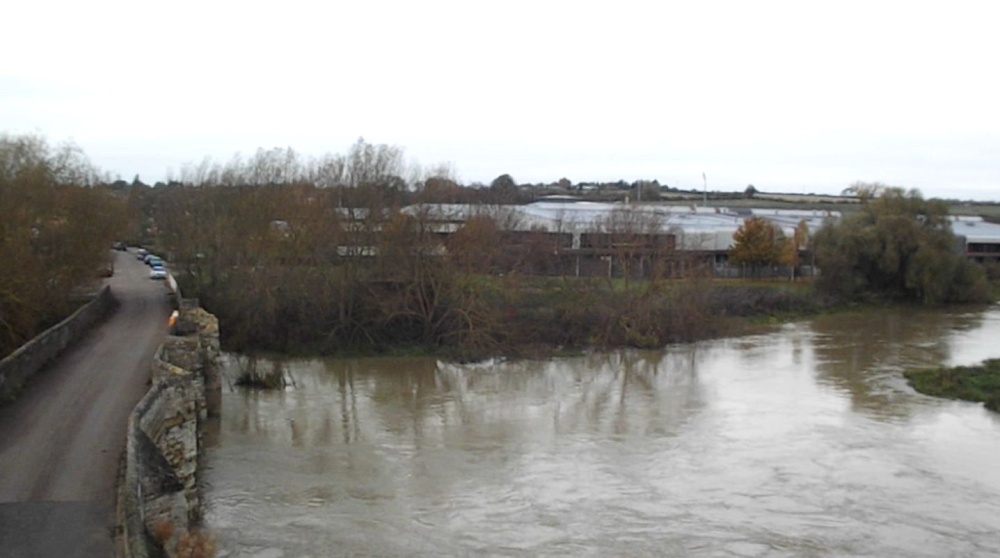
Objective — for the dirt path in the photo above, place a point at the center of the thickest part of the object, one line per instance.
(61, 440)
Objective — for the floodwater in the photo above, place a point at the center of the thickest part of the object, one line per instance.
(805, 441)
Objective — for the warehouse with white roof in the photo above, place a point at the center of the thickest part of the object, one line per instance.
(587, 237)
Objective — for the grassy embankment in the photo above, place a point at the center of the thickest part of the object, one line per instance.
(972, 383)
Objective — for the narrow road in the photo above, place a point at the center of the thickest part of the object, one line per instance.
(61, 439)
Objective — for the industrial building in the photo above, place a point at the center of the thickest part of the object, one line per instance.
(592, 238)
(980, 239)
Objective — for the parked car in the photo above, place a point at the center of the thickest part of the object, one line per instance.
(120, 246)
(141, 253)
(154, 261)
(158, 272)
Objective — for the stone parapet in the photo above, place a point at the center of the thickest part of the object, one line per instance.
(160, 500)
(26, 361)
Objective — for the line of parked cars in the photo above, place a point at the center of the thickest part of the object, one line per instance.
(157, 268)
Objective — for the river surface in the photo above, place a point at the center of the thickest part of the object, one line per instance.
(805, 441)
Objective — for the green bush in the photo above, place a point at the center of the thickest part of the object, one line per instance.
(898, 247)
(972, 383)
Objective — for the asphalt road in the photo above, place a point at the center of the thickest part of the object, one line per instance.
(61, 439)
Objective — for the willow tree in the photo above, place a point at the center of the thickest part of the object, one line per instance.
(898, 246)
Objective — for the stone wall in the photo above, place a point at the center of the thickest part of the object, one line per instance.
(26, 361)
(160, 499)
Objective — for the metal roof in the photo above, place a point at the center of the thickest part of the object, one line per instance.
(695, 227)
(976, 230)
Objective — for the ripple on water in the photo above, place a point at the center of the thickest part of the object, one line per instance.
(801, 443)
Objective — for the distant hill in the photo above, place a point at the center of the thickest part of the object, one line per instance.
(764, 200)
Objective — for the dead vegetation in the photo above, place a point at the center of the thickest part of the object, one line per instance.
(56, 229)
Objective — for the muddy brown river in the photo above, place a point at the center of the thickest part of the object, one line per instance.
(804, 441)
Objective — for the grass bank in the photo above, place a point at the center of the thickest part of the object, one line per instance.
(980, 383)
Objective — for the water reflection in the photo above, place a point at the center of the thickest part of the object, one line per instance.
(864, 353)
(800, 442)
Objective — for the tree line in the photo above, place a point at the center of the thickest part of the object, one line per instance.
(56, 226)
(290, 268)
(364, 168)
(344, 253)
(322, 256)
(897, 247)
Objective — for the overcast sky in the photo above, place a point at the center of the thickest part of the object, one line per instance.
(788, 96)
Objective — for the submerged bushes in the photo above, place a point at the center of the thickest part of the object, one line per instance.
(296, 310)
(971, 383)
(251, 374)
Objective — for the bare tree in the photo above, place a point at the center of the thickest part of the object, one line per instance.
(630, 237)
(56, 227)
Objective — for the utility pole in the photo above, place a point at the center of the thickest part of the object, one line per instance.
(705, 180)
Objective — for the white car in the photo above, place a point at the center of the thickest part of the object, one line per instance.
(158, 272)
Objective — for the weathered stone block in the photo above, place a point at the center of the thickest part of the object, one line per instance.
(186, 388)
